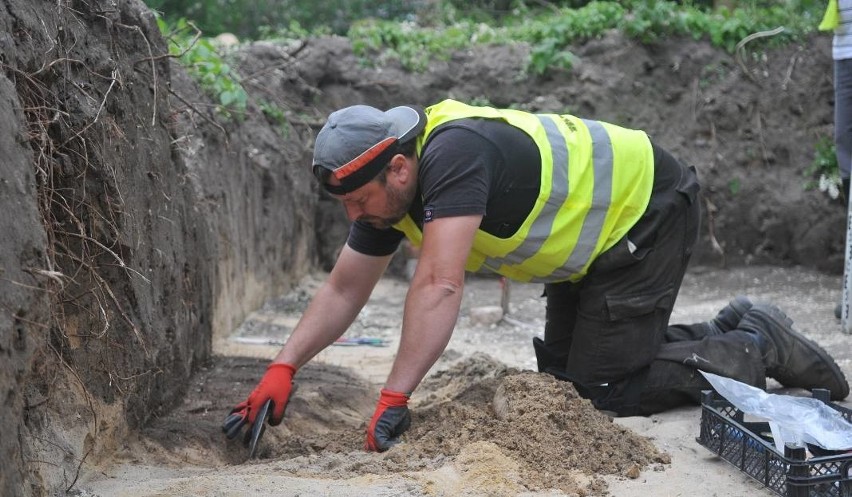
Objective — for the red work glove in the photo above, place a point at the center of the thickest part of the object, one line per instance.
(276, 384)
(390, 420)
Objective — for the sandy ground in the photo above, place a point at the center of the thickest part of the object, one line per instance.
(174, 457)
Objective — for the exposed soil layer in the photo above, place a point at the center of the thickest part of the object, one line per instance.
(483, 422)
(546, 435)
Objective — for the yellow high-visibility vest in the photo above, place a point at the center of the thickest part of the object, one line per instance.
(831, 18)
(596, 181)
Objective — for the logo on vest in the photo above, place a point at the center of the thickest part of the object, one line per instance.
(568, 123)
(428, 212)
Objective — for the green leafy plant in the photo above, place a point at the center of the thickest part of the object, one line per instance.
(551, 35)
(275, 115)
(824, 173)
(415, 32)
(734, 186)
(250, 19)
(551, 31)
(292, 31)
(204, 63)
(412, 45)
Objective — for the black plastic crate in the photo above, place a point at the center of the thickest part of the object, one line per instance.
(748, 446)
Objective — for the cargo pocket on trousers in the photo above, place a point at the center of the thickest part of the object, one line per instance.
(637, 324)
(621, 307)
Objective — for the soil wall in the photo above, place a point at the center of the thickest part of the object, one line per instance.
(138, 224)
(23, 307)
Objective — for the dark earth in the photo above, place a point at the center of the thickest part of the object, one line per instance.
(483, 423)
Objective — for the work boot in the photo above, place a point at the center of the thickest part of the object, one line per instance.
(789, 357)
(729, 317)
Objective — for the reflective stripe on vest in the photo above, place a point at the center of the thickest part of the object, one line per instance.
(592, 225)
(569, 224)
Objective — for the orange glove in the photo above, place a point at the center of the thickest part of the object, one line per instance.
(276, 384)
(390, 420)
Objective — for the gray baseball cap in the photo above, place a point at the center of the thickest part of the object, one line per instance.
(357, 142)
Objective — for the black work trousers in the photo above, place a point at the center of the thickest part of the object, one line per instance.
(609, 333)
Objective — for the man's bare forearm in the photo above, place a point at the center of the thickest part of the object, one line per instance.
(433, 301)
(431, 311)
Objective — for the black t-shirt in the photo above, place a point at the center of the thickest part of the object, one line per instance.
(467, 167)
(482, 166)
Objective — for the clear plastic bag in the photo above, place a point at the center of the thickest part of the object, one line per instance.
(798, 420)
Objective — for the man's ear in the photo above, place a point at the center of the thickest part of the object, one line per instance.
(401, 168)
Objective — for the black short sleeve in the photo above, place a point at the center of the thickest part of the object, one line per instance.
(467, 167)
(494, 170)
(367, 239)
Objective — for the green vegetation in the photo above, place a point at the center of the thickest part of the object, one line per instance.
(206, 65)
(275, 115)
(249, 19)
(551, 31)
(735, 185)
(419, 30)
(824, 173)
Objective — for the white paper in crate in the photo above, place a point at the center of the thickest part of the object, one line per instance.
(791, 419)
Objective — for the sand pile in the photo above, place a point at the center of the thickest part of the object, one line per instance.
(504, 430)
(478, 428)
(557, 439)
